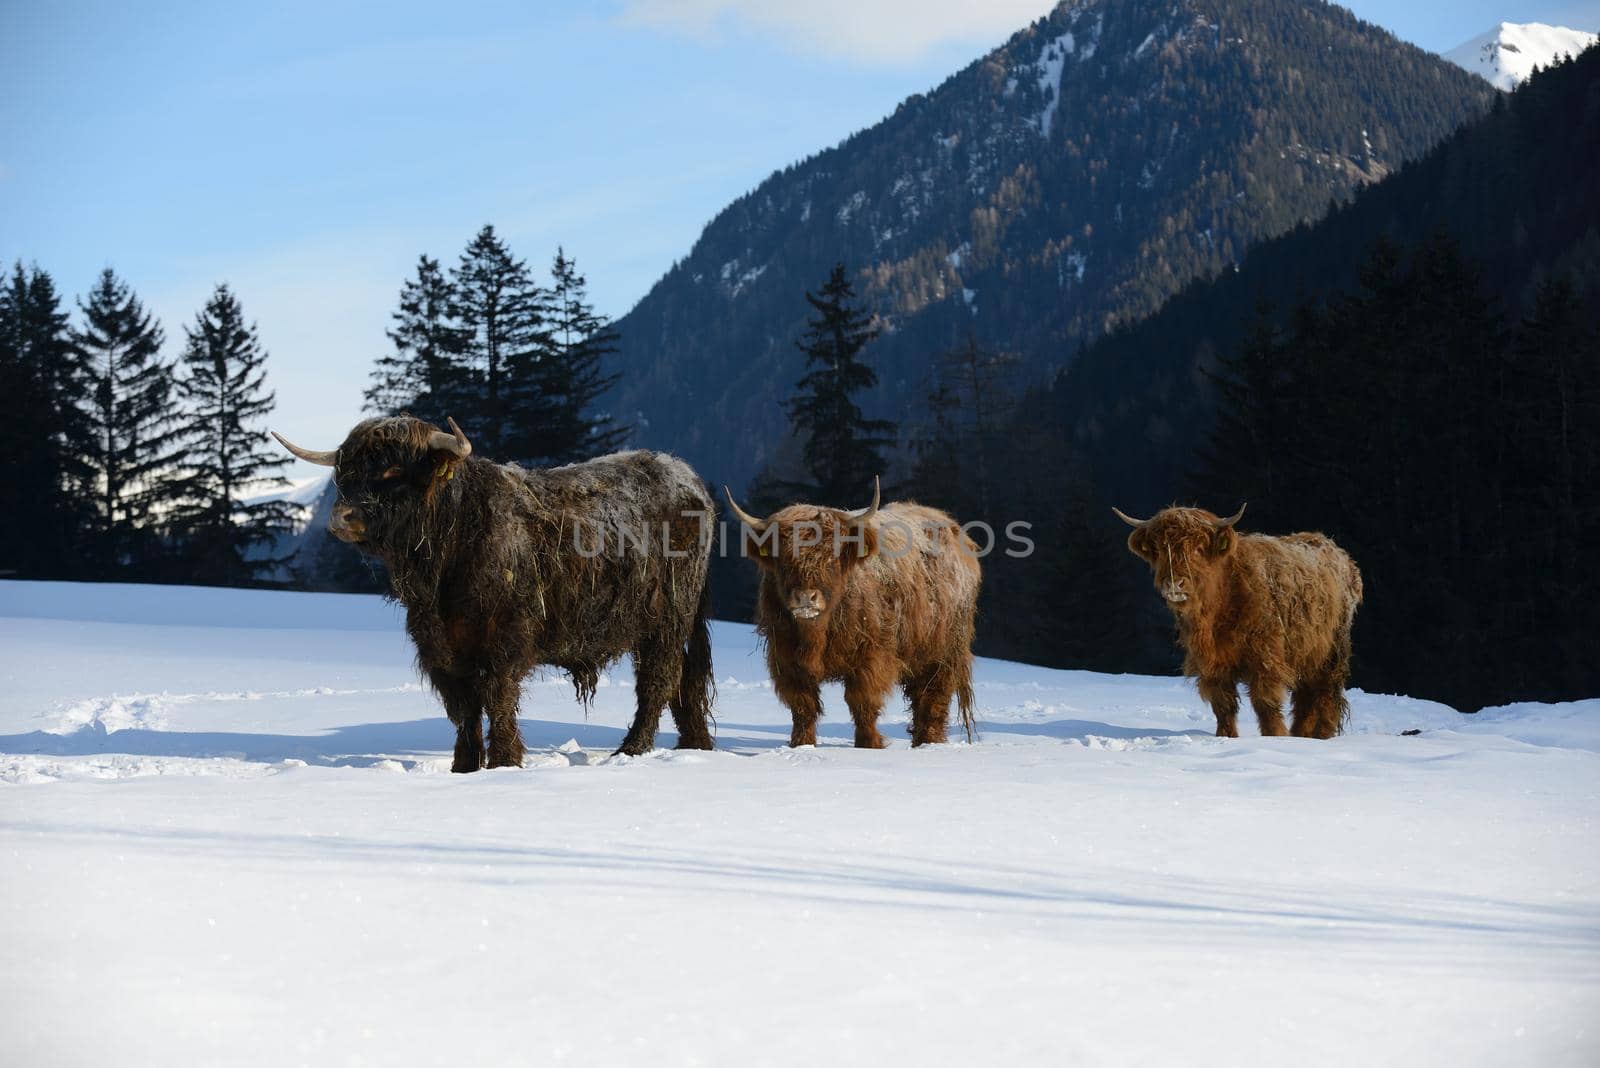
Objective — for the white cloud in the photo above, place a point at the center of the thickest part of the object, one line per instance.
(866, 31)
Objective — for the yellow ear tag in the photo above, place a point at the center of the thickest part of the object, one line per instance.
(764, 551)
(447, 470)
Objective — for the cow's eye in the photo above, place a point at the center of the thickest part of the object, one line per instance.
(393, 473)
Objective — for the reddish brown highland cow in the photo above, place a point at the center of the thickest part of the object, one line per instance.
(1271, 612)
(867, 598)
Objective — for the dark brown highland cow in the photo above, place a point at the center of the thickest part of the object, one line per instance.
(502, 570)
(867, 598)
(1272, 613)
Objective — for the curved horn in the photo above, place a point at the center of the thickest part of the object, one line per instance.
(871, 510)
(321, 459)
(1224, 524)
(744, 517)
(1128, 519)
(454, 442)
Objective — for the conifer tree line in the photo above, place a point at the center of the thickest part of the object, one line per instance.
(518, 364)
(119, 463)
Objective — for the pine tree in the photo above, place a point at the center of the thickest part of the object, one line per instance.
(424, 374)
(1554, 490)
(501, 313)
(1245, 454)
(226, 450)
(128, 404)
(843, 449)
(44, 435)
(936, 466)
(569, 375)
(982, 389)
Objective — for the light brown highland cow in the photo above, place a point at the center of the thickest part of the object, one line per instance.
(1271, 612)
(868, 598)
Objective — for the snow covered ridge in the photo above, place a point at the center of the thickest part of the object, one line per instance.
(1507, 54)
(229, 829)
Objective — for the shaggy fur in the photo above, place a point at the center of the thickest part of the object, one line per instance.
(488, 560)
(1271, 612)
(896, 604)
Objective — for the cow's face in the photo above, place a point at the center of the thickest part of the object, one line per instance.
(1184, 548)
(807, 553)
(384, 472)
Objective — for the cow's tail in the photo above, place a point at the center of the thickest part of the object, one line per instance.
(697, 687)
(965, 702)
(1343, 651)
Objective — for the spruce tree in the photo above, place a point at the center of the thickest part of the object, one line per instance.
(500, 311)
(227, 451)
(44, 437)
(424, 374)
(569, 375)
(843, 449)
(1245, 454)
(128, 406)
(937, 461)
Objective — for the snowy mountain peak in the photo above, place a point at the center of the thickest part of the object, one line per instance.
(1508, 53)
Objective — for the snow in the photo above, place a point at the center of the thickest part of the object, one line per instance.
(1046, 72)
(850, 207)
(229, 836)
(1507, 54)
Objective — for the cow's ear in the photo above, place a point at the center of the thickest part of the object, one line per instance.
(857, 549)
(759, 545)
(441, 465)
(1139, 545)
(1222, 541)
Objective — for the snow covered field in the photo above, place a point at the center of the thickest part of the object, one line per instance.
(229, 836)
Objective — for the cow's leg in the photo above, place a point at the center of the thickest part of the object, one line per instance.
(505, 737)
(1224, 699)
(1319, 708)
(1266, 697)
(866, 702)
(690, 702)
(464, 705)
(929, 693)
(802, 696)
(693, 730)
(657, 669)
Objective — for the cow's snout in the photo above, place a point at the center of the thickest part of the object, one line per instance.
(806, 604)
(345, 524)
(1175, 590)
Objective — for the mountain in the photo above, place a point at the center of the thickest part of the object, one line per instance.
(1519, 190)
(1507, 54)
(1070, 181)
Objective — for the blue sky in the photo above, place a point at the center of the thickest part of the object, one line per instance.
(306, 153)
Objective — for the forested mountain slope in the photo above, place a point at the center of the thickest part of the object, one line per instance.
(1071, 180)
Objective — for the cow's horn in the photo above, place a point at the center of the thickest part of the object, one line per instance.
(1224, 524)
(871, 510)
(454, 442)
(321, 459)
(1128, 519)
(744, 517)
